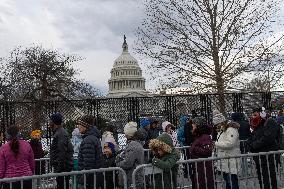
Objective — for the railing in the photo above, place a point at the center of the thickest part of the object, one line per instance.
(45, 167)
(86, 179)
(244, 171)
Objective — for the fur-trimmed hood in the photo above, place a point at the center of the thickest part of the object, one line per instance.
(234, 125)
(164, 142)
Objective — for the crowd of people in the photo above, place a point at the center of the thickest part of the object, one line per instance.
(90, 148)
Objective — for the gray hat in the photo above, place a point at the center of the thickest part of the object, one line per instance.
(218, 117)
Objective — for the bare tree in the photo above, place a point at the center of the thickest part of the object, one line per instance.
(37, 74)
(206, 44)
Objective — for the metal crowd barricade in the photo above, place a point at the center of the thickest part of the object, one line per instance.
(184, 151)
(71, 180)
(45, 167)
(266, 169)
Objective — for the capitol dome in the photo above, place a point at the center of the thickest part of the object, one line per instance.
(126, 76)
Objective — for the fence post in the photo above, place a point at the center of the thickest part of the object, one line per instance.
(170, 106)
(237, 102)
(133, 109)
(94, 110)
(206, 108)
(266, 100)
(7, 110)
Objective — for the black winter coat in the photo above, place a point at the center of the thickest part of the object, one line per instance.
(90, 152)
(61, 151)
(110, 176)
(244, 130)
(188, 134)
(152, 134)
(265, 137)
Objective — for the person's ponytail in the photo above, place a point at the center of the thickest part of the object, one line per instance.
(14, 145)
(14, 141)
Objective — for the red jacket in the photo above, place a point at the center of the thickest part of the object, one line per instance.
(23, 165)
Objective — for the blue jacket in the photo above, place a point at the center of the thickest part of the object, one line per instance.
(180, 132)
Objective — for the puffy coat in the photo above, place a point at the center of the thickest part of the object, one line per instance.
(144, 133)
(228, 144)
(167, 163)
(61, 151)
(153, 133)
(23, 165)
(202, 147)
(129, 159)
(90, 152)
(265, 137)
(280, 119)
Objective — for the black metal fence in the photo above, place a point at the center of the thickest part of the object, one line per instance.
(29, 115)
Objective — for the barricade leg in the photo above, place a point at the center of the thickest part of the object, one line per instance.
(18, 185)
(63, 182)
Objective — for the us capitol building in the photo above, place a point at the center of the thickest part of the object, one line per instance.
(126, 76)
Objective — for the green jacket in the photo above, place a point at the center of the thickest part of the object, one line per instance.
(168, 164)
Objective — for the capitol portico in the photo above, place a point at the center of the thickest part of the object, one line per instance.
(126, 76)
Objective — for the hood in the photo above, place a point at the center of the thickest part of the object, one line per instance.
(164, 142)
(93, 131)
(166, 138)
(237, 116)
(234, 125)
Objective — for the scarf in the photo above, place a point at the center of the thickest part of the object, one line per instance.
(255, 122)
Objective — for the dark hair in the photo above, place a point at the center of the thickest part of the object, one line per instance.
(90, 120)
(13, 131)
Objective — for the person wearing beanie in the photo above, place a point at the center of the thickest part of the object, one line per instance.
(227, 144)
(108, 137)
(131, 156)
(264, 138)
(144, 128)
(90, 152)
(61, 150)
(153, 132)
(36, 145)
(109, 161)
(218, 118)
(170, 129)
(202, 147)
(165, 158)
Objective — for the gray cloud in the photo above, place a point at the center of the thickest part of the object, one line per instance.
(91, 28)
(95, 24)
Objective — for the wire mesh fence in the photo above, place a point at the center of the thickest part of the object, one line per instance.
(30, 115)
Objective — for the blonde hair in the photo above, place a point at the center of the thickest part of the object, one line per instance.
(35, 132)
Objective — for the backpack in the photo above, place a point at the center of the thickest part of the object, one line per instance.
(281, 137)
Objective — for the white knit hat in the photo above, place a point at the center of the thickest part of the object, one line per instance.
(165, 124)
(130, 128)
(218, 117)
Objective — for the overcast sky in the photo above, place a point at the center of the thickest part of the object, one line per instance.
(93, 29)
